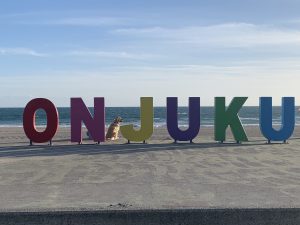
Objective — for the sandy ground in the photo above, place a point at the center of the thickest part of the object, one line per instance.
(158, 175)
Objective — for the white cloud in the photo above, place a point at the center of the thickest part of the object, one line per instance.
(221, 35)
(124, 85)
(21, 52)
(82, 21)
(110, 54)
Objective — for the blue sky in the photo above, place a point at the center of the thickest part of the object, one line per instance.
(122, 50)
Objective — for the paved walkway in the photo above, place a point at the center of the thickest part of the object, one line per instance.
(153, 176)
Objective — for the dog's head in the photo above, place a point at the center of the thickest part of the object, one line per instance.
(118, 119)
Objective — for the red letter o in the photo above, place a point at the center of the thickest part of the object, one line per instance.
(29, 120)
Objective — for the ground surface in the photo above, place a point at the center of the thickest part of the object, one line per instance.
(158, 175)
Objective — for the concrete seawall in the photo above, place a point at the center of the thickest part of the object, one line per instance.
(280, 216)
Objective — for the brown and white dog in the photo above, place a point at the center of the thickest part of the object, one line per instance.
(113, 129)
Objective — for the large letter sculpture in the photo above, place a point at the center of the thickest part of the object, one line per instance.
(146, 129)
(288, 119)
(229, 117)
(95, 126)
(29, 120)
(194, 119)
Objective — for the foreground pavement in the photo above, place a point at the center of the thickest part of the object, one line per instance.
(153, 178)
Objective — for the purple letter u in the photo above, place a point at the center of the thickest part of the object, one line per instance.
(194, 119)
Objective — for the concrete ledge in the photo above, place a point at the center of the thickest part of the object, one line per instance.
(282, 216)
